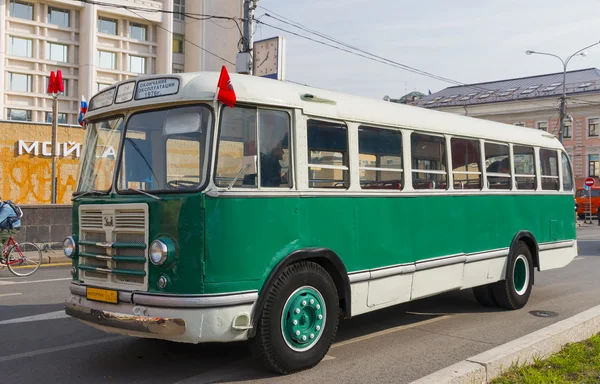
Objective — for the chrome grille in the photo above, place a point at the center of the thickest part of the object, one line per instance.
(91, 219)
(116, 223)
(94, 236)
(95, 275)
(130, 252)
(130, 219)
(93, 249)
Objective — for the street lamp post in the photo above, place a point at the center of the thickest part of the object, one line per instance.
(563, 99)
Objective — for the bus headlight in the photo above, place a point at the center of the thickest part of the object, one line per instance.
(69, 247)
(158, 252)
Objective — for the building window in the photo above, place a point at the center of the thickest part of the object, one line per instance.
(101, 86)
(62, 117)
(380, 157)
(20, 47)
(177, 68)
(179, 10)
(137, 64)
(57, 52)
(137, 31)
(567, 130)
(594, 165)
(19, 82)
(593, 126)
(519, 124)
(106, 25)
(542, 126)
(178, 43)
(107, 60)
(20, 10)
(58, 17)
(65, 83)
(18, 114)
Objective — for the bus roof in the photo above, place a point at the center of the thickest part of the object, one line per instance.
(187, 87)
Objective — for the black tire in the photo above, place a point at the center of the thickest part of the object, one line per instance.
(514, 291)
(484, 294)
(269, 343)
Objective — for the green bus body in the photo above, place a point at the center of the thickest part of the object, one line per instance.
(232, 244)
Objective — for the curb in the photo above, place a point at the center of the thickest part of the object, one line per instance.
(540, 344)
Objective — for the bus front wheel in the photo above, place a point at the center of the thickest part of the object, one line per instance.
(299, 320)
(514, 291)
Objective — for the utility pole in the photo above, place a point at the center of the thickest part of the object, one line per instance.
(54, 140)
(244, 60)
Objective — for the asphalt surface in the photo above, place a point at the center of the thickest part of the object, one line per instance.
(396, 345)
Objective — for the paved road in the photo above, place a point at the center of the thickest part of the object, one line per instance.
(396, 345)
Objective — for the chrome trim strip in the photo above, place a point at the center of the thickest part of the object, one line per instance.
(144, 324)
(480, 256)
(178, 301)
(201, 301)
(556, 245)
(358, 277)
(399, 270)
(440, 262)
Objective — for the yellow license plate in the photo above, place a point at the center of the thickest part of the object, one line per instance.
(106, 295)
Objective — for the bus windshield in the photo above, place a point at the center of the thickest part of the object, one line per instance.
(100, 154)
(165, 149)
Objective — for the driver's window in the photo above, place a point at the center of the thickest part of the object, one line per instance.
(183, 160)
(240, 142)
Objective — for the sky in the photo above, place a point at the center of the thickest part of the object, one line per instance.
(466, 41)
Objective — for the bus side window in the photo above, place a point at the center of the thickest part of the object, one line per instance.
(466, 163)
(429, 162)
(497, 165)
(327, 155)
(567, 174)
(380, 156)
(549, 171)
(274, 139)
(524, 160)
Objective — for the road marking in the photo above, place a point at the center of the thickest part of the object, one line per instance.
(10, 294)
(44, 316)
(33, 281)
(578, 258)
(58, 349)
(388, 331)
(327, 357)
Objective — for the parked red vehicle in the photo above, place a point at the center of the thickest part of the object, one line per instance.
(582, 201)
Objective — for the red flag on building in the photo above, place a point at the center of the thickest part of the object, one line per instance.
(225, 91)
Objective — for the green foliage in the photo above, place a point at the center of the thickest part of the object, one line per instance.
(575, 363)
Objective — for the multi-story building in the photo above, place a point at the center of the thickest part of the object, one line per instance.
(534, 102)
(95, 45)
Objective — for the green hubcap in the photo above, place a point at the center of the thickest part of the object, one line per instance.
(303, 318)
(521, 275)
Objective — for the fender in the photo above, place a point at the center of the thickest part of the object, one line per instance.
(528, 238)
(322, 256)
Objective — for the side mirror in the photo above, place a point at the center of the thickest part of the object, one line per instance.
(249, 164)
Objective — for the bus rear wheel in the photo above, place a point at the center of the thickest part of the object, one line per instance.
(299, 319)
(514, 291)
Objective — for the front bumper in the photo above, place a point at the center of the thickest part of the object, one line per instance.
(143, 324)
(183, 318)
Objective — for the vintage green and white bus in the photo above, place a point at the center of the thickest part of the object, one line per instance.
(271, 220)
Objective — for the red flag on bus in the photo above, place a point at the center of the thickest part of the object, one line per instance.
(225, 91)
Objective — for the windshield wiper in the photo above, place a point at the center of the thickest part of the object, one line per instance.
(93, 192)
(144, 193)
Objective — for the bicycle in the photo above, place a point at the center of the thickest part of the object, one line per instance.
(22, 259)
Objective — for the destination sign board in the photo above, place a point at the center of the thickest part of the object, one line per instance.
(156, 88)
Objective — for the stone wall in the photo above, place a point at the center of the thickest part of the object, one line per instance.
(45, 224)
